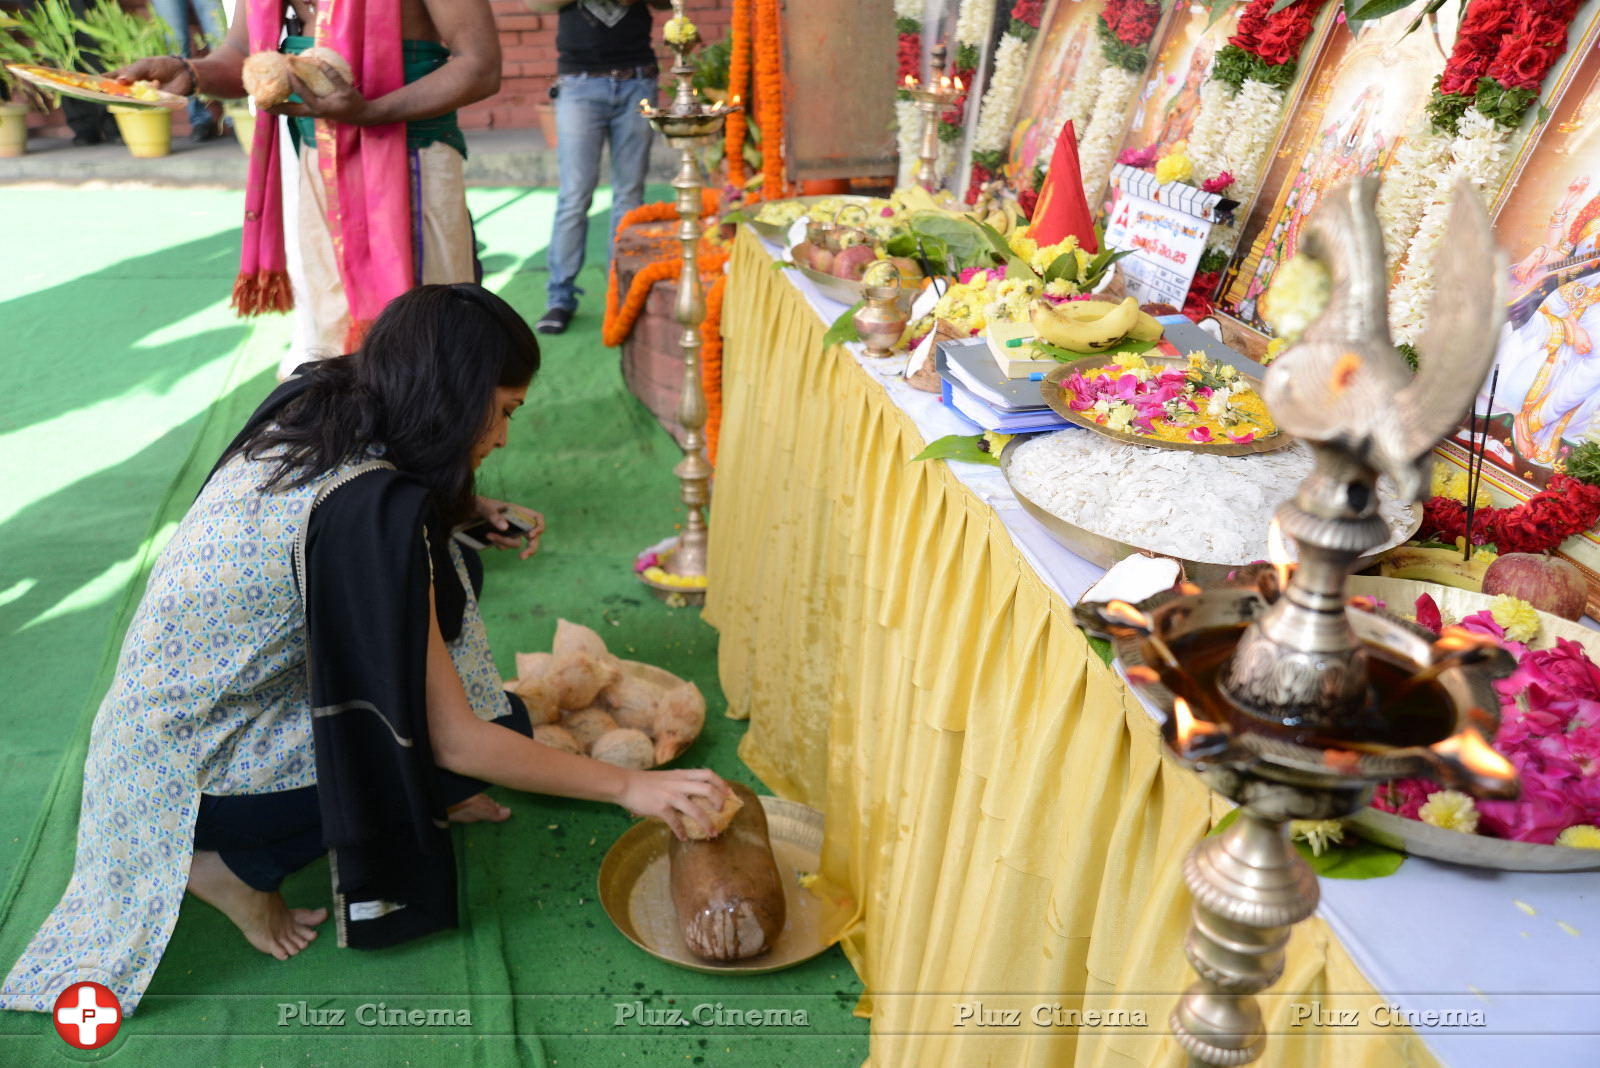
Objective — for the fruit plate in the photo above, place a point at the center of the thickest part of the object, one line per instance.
(95, 87)
(1055, 396)
(636, 892)
(780, 234)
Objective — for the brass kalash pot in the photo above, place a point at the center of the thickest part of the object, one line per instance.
(884, 315)
(1283, 693)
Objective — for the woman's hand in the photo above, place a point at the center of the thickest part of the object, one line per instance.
(673, 796)
(344, 104)
(494, 511)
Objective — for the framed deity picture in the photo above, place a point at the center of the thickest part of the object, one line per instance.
(1543, 396)
(1053, 91)
(1366, 89)
(1170, 100)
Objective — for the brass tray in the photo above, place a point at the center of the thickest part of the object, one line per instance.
(780, 234)
(1423, 839)
(111, 91)
(1055, 397)
(1103, 551)
(637, 896)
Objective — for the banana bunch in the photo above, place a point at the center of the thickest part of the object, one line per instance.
(1444, 566)
(1092, 325)
(996, 207)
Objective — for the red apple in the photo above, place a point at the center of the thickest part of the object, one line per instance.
(851, 263)
(1549, 584)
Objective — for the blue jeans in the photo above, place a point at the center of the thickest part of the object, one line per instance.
(590, 112)
(175, 13)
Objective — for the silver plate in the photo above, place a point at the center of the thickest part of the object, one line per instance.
(1474, 850)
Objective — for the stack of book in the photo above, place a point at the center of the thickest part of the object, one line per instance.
(979, 385)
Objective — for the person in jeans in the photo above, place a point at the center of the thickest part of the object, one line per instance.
(606, 64)
(175, 13)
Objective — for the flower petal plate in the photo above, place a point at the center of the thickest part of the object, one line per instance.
(780, 234)
(636, 892)
(94, 87)
(1056, 396)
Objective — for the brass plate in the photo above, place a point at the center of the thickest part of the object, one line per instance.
(1055, 397)
(51, 79)
(1103, 551)
(1473, 850)
(636, 893)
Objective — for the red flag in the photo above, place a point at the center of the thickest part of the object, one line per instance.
(1062, 207)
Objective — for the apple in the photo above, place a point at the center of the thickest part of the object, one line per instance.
(1549, 584)
(910, 270)
(851, 263)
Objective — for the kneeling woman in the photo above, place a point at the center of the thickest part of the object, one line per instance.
(308, 671)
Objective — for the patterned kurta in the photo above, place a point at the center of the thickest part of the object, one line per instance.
(210, 696)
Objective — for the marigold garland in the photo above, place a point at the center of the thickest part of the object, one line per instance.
(711, 364)
(733, 134)
(769, 97)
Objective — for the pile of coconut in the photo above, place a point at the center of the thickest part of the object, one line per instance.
(584, 700)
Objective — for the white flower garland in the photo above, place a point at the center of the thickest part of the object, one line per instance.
(1210, 127)
(1079, 105)
(974, 22)
(1408, 186)
(1480, 154)
(908, 135)
(1252, 118)
(1005, 86)
(908, 9)
(1098, 147)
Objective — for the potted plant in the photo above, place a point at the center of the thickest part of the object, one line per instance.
(14, 94)
(120, 38)
(47, 26)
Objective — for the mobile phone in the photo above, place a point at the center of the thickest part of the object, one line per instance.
(476, 536)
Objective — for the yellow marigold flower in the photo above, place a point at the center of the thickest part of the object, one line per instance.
(1274, 347)
(1174, 167)
(1130, 361)
(1451, 810)
(1519, 618)
(997, 442)
(1297, 295)
(1061, 288)
(1318, 834)
(1120, 417)
(679, 30)
(1023, 245)
(1580, 836)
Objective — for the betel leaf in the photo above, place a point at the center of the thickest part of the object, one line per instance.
(901, 245)
(1063, 266)
(843, 328)
(1354, 858)
(962, 447)
(1219, 8)
(1102, 649)
(1056, 352)
(1367, 10)
(1280, 5)
(1016, 266)
(965, 245)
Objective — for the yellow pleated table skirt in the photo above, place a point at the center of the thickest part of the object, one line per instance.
(997, 803)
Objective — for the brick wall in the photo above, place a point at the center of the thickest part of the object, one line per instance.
(528, 59)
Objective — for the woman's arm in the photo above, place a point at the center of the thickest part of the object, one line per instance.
(467, 745)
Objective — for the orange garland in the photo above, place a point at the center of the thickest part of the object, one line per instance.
(711, 364)
(769, 97)
(738, 88)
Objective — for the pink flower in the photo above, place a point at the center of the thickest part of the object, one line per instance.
(1403, 797)
(1216, 185)
(1243, 439)
(1428, 614)
(1139, 157)
(887, 213)
(1200, 433)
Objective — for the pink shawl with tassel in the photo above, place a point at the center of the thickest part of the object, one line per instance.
(364, 169)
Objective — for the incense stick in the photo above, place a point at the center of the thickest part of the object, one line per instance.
(1476, 459)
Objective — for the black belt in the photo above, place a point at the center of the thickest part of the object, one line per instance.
(621, 74)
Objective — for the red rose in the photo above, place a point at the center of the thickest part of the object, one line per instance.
(1460, 83)
(1027, 200)
(1523, 66)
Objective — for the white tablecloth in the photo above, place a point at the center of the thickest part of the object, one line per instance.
(1431, 937)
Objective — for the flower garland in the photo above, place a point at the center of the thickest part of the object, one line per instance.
(711, 363)
(908, 35)
(1497, 67)
(769, 97)
(1252, 74)
(1562, 509)
(733, 134)
(621, 315)
(1124, 28)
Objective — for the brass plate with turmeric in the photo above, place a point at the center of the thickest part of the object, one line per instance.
(636, 892)
(94, 87)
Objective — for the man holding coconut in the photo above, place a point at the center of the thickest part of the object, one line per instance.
(382, 200)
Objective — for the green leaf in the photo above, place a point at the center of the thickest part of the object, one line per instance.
(784, 265)
(1373, 9)
(964, 244)
(1219, 8)
(1056, 352)
(1225, 822)
(843, 328)
(738, 215)
(1102, 649)
(1016, 266)
(903, 244)
(1063, 266)
(1354, 858)
(1544, 112)
(1281, 4)
(962, 447)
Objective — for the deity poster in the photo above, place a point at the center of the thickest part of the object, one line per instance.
(1170, 99)
(1052, 92)
(1366, 91)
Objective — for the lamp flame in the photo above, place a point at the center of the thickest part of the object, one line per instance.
(1278, 553)
(1476, 755)
(911, 83)
(1455, 639)
(1186, 727)
(1125, 613)
(959, 86)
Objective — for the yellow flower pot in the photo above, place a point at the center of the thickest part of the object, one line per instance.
(244, 125)
(146, 131)
(13, 130)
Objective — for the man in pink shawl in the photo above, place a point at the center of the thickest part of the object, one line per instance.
(382, 196)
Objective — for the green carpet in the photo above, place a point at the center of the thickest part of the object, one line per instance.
(126, 376)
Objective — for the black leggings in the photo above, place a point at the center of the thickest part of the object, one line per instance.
(265, 838)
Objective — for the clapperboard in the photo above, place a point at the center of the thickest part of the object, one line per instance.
(1166, 226)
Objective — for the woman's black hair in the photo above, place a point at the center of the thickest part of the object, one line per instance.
(421, 385)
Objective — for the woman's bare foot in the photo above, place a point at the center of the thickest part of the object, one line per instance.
(478, 808)
(268, 924)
